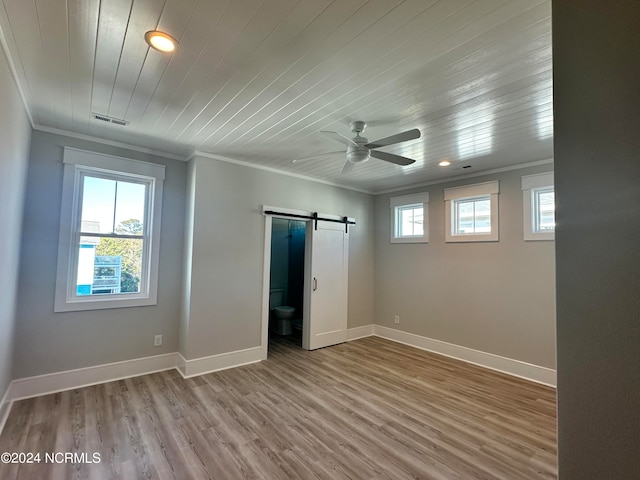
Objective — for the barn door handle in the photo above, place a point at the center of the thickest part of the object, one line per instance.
(315, 284)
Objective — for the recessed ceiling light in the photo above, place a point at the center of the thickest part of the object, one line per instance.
(444, 163)
(161, 41)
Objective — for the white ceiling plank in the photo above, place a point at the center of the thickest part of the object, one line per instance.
(222, 39)
(112, 29)
(384, 104)
(144, 16)
(51, 17)
(247, 108)
(186, 64)
(387, 81)
(175, 19)
(266, 63)
(25, 29)
(254, 30)
(83, 33)
(390, 61)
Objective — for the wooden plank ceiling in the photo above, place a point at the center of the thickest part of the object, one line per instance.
(257, 80)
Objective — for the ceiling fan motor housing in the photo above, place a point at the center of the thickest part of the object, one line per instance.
(360, 153)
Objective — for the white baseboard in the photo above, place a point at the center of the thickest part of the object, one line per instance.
(5, 406)
(517, 368)
(83, 377)
(360, 332)
(223, 361)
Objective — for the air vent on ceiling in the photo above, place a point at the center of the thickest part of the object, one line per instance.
(108, 119)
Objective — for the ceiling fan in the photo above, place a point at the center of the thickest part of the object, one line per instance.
(359, 149)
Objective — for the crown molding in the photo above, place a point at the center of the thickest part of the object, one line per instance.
(112, 143)
(275, 170)
(469, 175)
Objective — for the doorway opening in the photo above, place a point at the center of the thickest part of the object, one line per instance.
(319, 319)
(287, 281)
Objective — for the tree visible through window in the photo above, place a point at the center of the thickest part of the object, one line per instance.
(129, 251)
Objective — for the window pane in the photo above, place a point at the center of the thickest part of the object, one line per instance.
(411, 221)
(107, 201)
(98, 205)
(473, 216)
(109, 266)
(130, 200)
(544, 201)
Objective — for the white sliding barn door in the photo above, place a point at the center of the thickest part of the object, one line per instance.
(327, 286)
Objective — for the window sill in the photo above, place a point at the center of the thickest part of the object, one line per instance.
(409, 240)
(103, 304)
(489, 237)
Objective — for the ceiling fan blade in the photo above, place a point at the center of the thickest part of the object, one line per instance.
(393, 139)
(339, 138)
(392, 158)
(313, 157)
(348, 168)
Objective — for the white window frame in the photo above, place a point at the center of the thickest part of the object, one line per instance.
(76, 164)
(416, 200)
(531, 184)
(487, 190)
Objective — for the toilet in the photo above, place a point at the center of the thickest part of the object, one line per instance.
(281, 315)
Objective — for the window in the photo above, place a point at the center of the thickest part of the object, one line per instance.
(410, 218)
(472, 213)
(539, 206)
(109, 232)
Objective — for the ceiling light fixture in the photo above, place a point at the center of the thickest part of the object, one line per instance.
(444, 163)
(161, 41)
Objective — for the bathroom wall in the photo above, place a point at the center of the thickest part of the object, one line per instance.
(295, 294)
(280, 256)
(287, 260)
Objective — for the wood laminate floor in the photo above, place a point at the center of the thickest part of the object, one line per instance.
(368, 409)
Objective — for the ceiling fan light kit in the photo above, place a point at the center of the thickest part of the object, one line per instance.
(359, 149)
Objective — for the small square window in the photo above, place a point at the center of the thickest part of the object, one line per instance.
(539, 206)
(472, 216)
(409, 218)
(544, 210)
(410, 221)
(472, 213)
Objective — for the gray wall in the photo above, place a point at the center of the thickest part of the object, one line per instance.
(14, 150)
(496, 297)
(50, 342)
(227, 251)
(596, 64)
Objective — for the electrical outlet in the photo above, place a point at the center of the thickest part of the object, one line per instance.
(157, 340)
(396, 319)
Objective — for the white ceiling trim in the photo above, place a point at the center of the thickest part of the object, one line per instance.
(275, 170)
(112, 143)
(469, 175)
